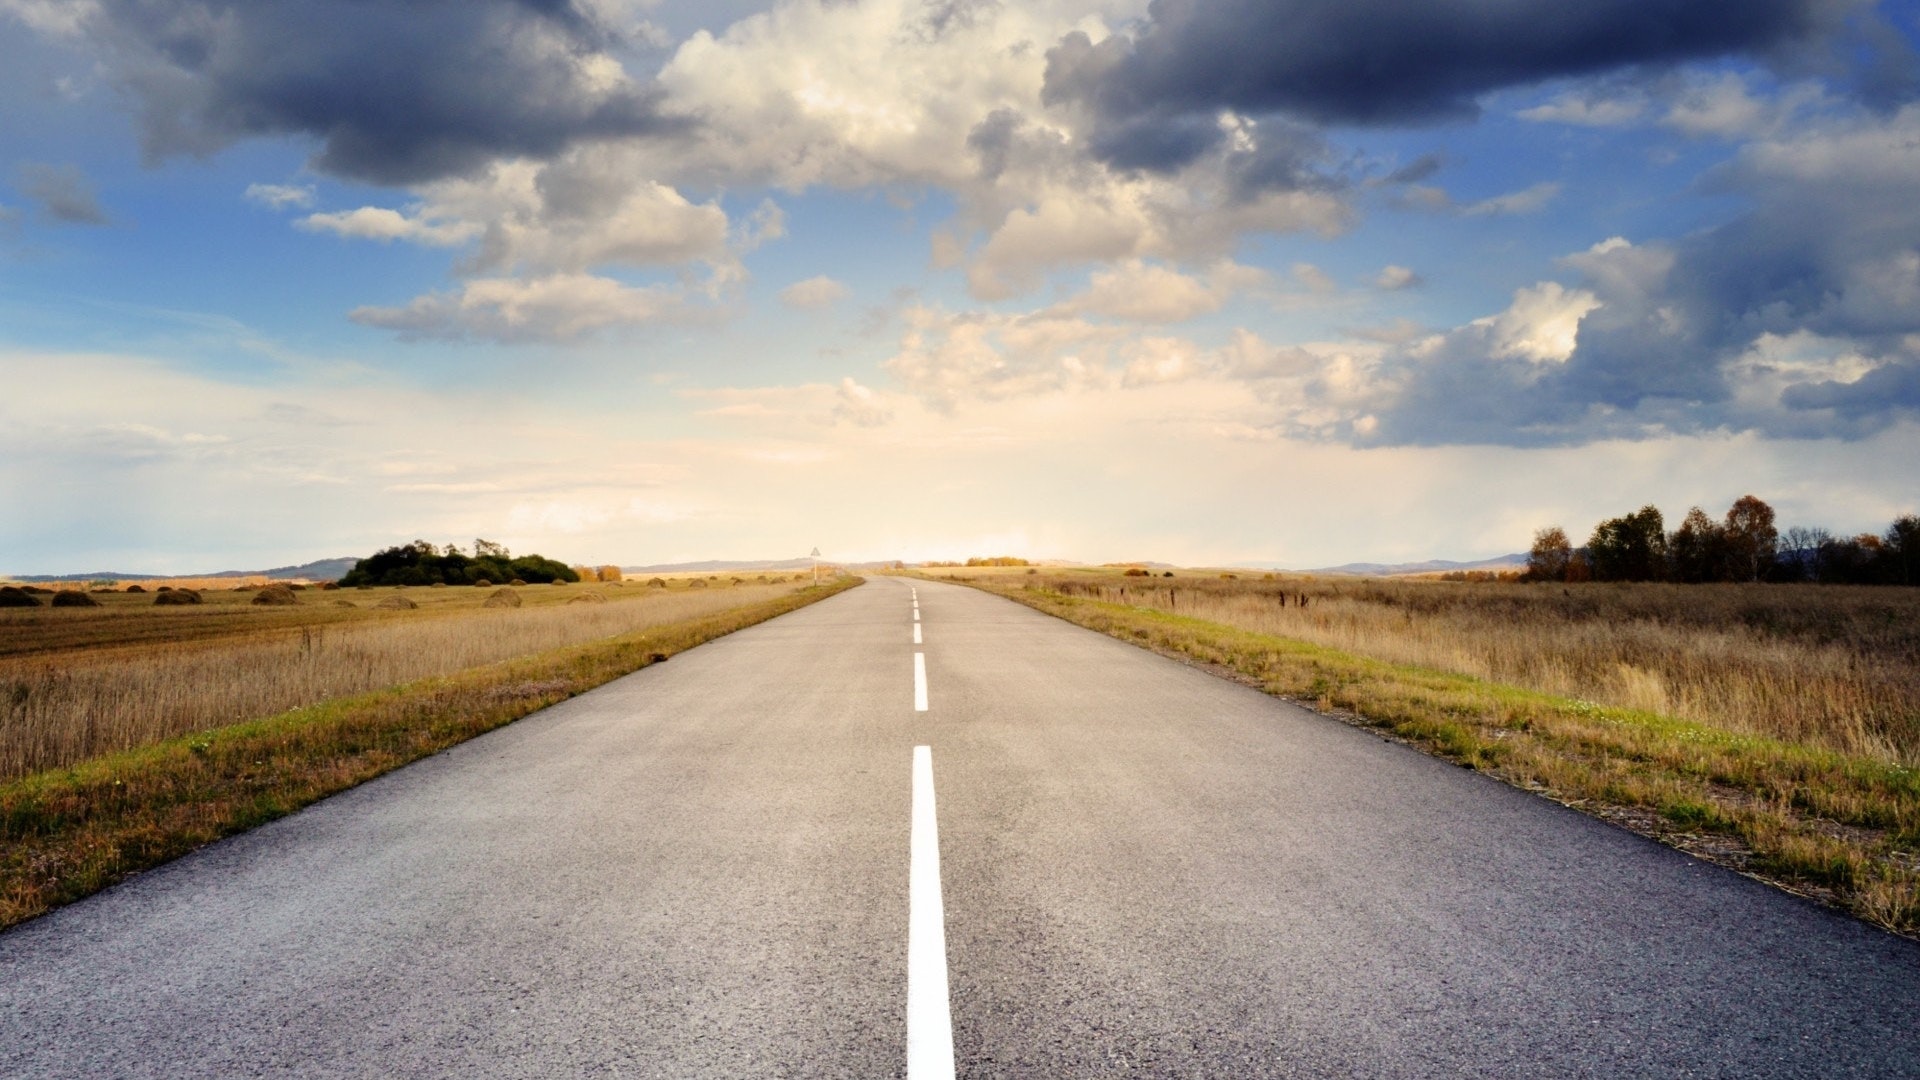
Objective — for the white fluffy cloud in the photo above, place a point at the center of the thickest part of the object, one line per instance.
(555, 307)
(813, 294)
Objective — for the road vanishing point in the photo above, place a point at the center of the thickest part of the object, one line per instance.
(917, 830)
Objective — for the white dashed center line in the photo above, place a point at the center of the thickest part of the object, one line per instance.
(919, 682)
(916, 633)
(929, 1016)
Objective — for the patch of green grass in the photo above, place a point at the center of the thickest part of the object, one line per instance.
(68, 833)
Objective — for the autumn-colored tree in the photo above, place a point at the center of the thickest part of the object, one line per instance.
(1630, 548)
(1551, 553)
(609, 573)
(1751, 540)
(1697, 549)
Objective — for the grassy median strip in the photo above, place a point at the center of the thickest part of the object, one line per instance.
(1840, 827)
(67, 833)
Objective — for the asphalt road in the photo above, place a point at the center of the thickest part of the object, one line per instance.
(703, 869)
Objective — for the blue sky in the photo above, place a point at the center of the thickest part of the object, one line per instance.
(1283, 283)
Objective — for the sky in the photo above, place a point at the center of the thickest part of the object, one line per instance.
(1282, 283)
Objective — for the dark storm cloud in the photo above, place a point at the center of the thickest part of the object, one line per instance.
(63, 193)
(1387, 61)
(396, 92)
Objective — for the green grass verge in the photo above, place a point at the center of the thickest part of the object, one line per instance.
(68, 833)
(1842, 828)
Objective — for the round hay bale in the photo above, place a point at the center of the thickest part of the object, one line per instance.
(73, 598)
(396, 602)
(164, 588)
(12, 596)
(503, 598)
(135, 588)
(296, 586)
(276, 596)
(482, 583)
(697, 583)
(588, 598)
(329, 586)
(344, 603)
(656, 583)
(556, 581)
(34, 589)
(438, 585)
(516, 583)
(176, 597)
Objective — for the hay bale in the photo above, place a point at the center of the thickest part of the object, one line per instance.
(135, 588)
(73, 598)
(164, 588)
(656, 583)
(438, 585)
(344, 603)
(296, 586)
(516, 583)
(34, 589)
(503, 598)
(12, 596)
(697, 583)
(482, 583)
(276, 596)
(176, 597)
(588, 598)
(396, 602)
(329, 586)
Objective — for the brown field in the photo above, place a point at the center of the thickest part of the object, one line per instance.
(79, 682)
(71, 831)
(1773, 729)
(1833, 666)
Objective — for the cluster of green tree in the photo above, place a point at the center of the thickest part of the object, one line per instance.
(1745, 546)
(421, 563)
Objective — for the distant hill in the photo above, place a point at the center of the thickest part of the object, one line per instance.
(321, 570)
(1431, 566)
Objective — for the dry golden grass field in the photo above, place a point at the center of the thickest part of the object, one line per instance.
(1772, 728)
(79, 682)
(131, 733)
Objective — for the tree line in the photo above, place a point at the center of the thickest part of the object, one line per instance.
(1743, 546)
(421, 563)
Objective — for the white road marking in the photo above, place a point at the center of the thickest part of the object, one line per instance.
(929, 1015)
(916, 633)
(916, 614)
(919, 682)
(914, 591)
